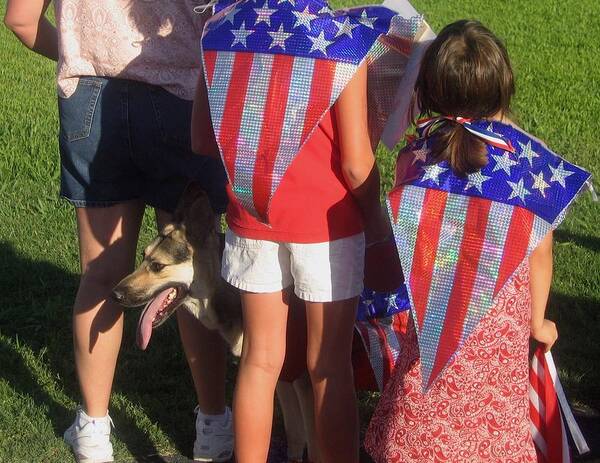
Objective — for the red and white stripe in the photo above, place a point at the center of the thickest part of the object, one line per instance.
(464, 247)
(381, 339)
(262, 125)
(549, 410)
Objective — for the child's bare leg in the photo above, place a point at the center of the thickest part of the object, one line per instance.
(265, 319)
(292, 420)
(107, 245)
(330, 331)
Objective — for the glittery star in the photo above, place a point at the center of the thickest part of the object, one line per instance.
(263, 15)
(279, 37)
(421, 153)
(229, 17)
(303, 18)
(240, 35)
(504, 162)
(324, 11)
(476, 180)
(319, 43)
(518, 190)
(559, 174)
(366, 21)
(539, 183)
(368, 302)
(491, 128)
(392, 304)
(433, 172)
(291, 2)
(528, 153)
(345, 28)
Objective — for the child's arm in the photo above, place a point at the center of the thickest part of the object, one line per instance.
(540, 263)
(26, 18)
(358, 163)
(203, 135)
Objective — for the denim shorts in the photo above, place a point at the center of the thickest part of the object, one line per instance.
(122, 140)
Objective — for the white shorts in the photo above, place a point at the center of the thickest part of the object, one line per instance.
(319, 272)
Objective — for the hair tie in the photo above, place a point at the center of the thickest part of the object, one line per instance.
(427, 125)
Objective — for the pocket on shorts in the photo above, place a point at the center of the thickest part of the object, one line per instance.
(77, 111)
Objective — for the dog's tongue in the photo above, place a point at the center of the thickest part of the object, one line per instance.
(144, 329)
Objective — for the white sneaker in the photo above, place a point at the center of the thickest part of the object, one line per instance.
(214, 437)
(89, 438)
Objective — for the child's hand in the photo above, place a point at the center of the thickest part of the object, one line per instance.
(546, 334)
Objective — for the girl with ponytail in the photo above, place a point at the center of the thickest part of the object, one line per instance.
(473, 209)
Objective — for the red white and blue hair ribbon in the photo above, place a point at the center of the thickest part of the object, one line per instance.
(427, 125)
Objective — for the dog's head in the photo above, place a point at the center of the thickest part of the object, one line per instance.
(163, 280)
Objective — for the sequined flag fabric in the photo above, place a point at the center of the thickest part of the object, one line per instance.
(275, 67)
(461, 239)
(551, 417)
(380, 322)
(382, 340)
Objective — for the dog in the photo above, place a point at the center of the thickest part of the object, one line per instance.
(181, 269)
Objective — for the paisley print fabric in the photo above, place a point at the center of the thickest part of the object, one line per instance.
(152, 41)
(478, 408)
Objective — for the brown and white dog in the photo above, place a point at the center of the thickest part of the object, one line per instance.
(181, 268)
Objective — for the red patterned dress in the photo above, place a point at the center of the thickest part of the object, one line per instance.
(478, 408)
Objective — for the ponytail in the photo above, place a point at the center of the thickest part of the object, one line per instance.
(465, 152)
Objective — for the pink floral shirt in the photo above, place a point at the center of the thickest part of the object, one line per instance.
(152, 41)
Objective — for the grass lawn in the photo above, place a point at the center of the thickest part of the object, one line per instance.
(555, 48)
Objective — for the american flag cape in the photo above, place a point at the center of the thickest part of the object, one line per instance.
(273, 69)
(381, 324)
(551, 416)
(461, 239)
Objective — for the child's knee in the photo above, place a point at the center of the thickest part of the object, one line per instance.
(268, 361)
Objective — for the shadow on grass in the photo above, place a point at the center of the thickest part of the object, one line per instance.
(36, 317)
(585, 241)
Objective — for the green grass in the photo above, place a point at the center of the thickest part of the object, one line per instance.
(556, 55)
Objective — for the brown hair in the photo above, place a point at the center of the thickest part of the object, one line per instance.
(465, 72)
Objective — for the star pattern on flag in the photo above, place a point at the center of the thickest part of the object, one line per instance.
(433, 172)
(475, 180)
(391, 302)
(366, 21)
(279, 37)
(303, 18)
(559, 174)
(240, 35)
(345, 28)
(518, 190)
(528, 153)
(503, 162)
(263, 15)
(421, 153)
(319, 43)
(539, 183)
(229, 17)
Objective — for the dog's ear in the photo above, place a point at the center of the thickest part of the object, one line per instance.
(192, 192)
(198, 217)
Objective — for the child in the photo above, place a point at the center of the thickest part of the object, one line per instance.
(473, 211)
(303, 182)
